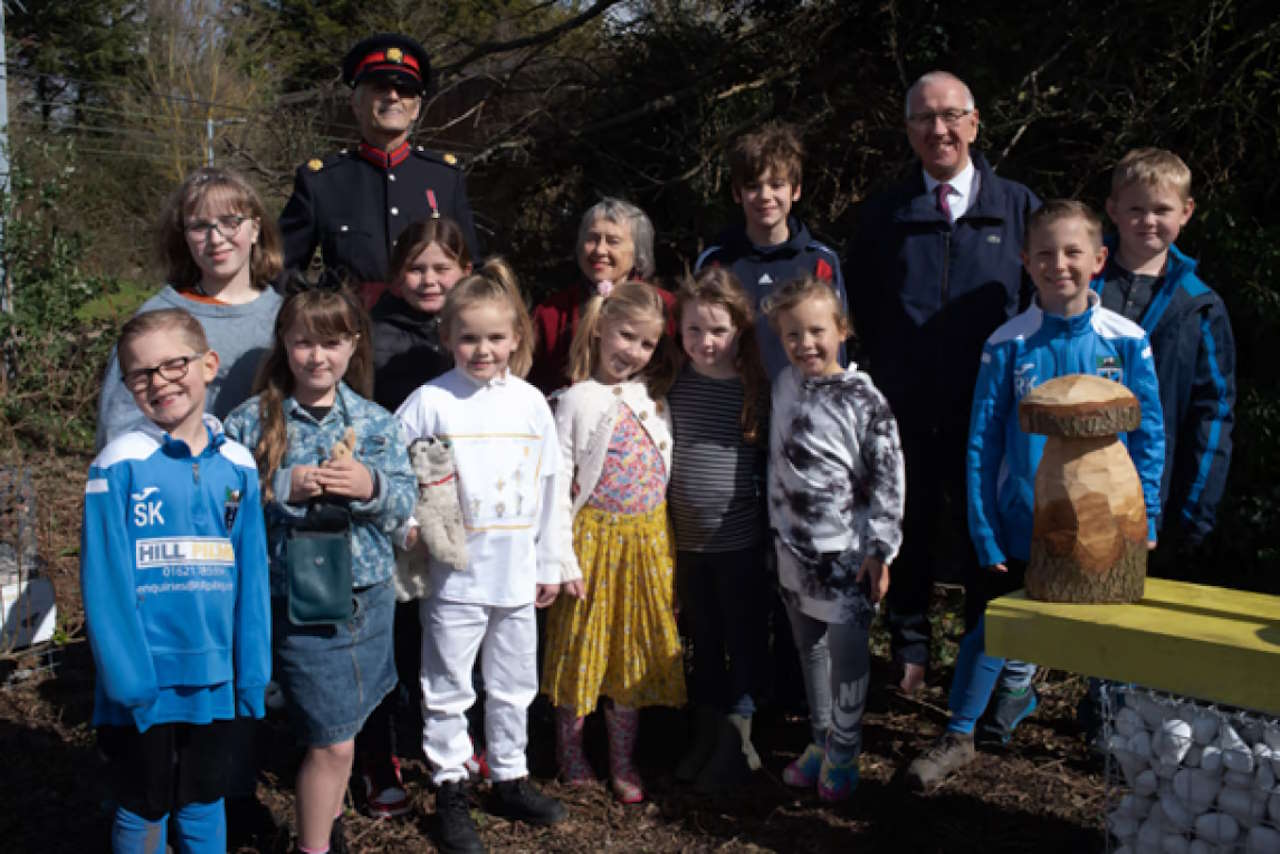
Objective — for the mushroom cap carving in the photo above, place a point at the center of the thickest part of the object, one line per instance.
(1079, 406)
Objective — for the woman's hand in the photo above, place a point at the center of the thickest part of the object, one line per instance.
(346, 478)
(304, 484)
(574, 588)
(876, 572)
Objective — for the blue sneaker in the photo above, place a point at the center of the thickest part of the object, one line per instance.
(836, 781)
(803, 771)
(1004, 714)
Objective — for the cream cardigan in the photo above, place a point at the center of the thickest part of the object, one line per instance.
(586, 415)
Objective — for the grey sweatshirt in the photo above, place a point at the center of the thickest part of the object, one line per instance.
(241, 336)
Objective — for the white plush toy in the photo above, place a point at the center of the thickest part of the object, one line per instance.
(439, 515)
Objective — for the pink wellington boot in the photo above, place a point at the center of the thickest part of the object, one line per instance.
(574, 768)
(622, 724)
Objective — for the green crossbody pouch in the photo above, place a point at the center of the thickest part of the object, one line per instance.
(318, 571)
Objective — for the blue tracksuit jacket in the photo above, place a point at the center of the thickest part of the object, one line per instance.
(1195, 355)
(173, 571)
(1001, 460)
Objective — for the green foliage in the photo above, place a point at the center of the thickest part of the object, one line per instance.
(56, 334)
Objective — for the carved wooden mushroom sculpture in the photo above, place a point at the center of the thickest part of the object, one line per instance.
(1089, 538)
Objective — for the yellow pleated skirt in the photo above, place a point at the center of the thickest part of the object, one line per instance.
(621, 642)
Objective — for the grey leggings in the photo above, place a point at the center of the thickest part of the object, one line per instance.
(836, 662)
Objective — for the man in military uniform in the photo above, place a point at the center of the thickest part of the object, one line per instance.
(355, 203)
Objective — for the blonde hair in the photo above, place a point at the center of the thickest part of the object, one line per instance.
(267, 254)
(325, 313)
(627, 301)
(719, 286)
(1154, 167)
(1054, 210)
(495, 281)
(796, 291)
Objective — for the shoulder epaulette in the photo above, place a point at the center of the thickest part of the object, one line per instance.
(448, 158)
(317, 164)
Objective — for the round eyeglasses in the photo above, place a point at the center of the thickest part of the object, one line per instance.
(139, 379)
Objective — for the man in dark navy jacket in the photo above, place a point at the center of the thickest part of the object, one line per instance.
(354, 204)
(938, 270)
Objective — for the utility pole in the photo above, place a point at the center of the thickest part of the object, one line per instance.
(209, 125)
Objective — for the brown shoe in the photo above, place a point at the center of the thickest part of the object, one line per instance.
(951, 752)
(912, 679)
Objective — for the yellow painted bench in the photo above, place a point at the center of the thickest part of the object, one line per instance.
(1203, 642)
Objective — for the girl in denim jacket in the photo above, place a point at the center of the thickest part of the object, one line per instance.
(310, 391)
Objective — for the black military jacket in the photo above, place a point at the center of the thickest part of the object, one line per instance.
(355, 203)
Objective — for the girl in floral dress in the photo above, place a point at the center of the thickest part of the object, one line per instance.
(620, 641)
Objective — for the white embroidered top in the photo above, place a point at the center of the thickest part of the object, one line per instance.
(509, 470)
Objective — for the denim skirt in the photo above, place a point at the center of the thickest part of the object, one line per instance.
(334, 676)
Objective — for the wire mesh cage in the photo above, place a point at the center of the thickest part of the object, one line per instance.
(1188, 777)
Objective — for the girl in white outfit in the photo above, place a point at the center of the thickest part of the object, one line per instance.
(508, 461)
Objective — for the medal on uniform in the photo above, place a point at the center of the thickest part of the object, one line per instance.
(431, 200)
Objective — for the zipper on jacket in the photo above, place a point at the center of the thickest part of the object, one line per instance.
(195, 472)
(946, 268)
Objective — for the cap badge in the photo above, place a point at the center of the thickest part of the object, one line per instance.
(394, 54)
(315, 164)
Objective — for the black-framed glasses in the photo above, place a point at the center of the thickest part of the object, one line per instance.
(950, 118)
(172, 370)
(227, 226)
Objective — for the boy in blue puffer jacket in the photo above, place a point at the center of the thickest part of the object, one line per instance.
(1152, 283)
(174, 578)
(1065, 331)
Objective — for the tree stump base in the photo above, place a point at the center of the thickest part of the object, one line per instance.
(1059, 578)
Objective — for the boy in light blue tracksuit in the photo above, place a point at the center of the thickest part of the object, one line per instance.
(174, 579)
(1065, 331)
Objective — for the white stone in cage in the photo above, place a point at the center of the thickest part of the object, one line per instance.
(1177, 815)
(1236, 755)
(1171, 741)
(1262, 840)
(1146, 783)
(1196, 788)
(1217, 828)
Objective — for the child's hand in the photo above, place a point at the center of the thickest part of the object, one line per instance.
(997, 567)
(545, 595)
(876, 572)
(574, 588)
(1151, 545)
(346, 478)
(304, 484)
(412, 538)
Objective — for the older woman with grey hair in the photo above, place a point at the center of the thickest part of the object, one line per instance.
(615, 244)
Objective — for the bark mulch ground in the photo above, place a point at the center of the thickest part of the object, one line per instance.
(1041, 794)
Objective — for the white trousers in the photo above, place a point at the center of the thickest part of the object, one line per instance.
(507, 641)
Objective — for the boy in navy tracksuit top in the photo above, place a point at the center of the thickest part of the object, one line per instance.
(1150, 282)
(772, 246)
(174, 579)
(1065, 331)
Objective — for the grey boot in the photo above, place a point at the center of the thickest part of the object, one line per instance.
(706, 722)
